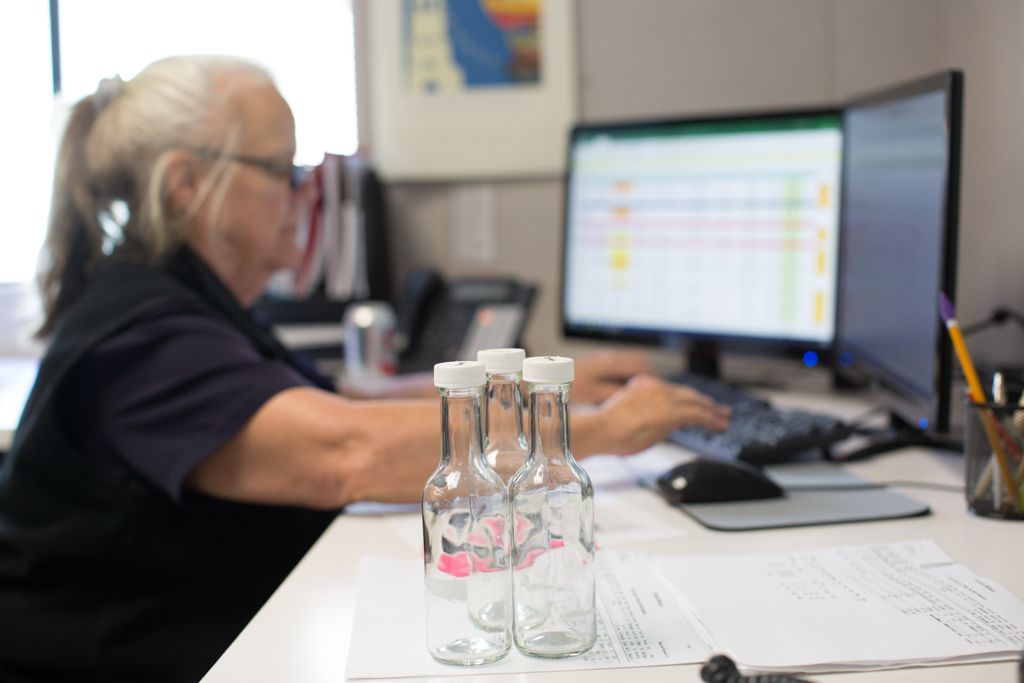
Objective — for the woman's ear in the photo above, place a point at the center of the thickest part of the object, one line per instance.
(183, 178)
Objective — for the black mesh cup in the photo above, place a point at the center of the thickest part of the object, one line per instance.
(988, 492)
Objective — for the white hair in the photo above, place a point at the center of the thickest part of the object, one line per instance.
(114, 156)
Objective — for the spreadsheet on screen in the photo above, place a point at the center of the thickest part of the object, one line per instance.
(727, 228)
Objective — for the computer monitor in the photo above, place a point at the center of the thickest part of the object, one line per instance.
(17, 375)
(901, 178)
(722, 229)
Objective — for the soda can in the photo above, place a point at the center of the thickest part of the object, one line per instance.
(369, 328)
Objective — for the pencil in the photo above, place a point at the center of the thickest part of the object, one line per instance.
(1012, 448)
(977, 395)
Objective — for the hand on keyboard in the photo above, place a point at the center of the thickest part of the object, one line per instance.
(758, 432)
(642, 413)
(601, 374)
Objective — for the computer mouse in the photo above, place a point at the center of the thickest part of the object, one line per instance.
(710, 480)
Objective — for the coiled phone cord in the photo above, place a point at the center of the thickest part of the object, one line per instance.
(721, 669)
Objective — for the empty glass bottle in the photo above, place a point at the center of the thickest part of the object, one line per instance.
(465, 531)
(553, 508)
(506, 448)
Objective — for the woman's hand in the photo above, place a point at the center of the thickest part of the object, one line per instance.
(642, 413)
(601, 374)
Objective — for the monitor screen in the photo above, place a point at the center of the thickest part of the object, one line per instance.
(17, 375)
(899, 237)
(719, 228)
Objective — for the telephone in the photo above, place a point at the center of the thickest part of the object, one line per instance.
(439, 322)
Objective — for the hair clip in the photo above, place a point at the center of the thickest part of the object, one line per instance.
(108, 90)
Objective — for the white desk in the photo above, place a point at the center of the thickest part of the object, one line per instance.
(302, 633)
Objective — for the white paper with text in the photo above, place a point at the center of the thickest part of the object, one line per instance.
(639, 624)
(849, 608)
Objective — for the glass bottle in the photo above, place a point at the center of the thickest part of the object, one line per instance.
(465, 531)
(505, 445)
(553, 507)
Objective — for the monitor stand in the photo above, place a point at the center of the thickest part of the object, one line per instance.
(702, 358)
(899, 434)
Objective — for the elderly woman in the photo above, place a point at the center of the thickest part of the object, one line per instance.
(174, 462)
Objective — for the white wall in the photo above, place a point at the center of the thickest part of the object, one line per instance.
(656, 58)
(985, 38)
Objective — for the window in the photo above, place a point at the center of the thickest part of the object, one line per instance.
(25, 126)
(307, 45)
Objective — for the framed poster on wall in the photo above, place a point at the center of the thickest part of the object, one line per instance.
(466, 89)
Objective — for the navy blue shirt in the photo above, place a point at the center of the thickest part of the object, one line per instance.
(166, 392)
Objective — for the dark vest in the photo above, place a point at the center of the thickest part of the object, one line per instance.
(102, 576)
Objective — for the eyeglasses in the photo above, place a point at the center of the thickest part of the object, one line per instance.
(297, 175)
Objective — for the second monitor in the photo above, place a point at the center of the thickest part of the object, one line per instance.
(723, 229)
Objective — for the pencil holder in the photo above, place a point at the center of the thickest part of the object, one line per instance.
(994, 471)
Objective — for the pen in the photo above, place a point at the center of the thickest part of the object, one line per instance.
(1014, 451)
(1015, 428)
(998, 389)
(948, 314)
(1018, 415)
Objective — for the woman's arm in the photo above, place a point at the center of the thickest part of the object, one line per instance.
(311, 448)
(598, 376)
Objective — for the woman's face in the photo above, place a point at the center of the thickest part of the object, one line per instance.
(245, 229)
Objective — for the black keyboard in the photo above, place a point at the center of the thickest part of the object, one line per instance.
(758, 433)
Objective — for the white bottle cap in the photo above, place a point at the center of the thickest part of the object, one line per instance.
(548, 370)
(502, 360)
(459, 374)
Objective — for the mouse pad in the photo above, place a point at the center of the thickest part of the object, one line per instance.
(841, 497)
